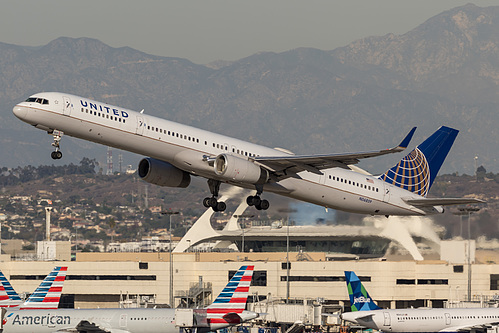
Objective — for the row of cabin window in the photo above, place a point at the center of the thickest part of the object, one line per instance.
(473, 317)
(103, 115)
(367, 187)
(418, 318)
(225, 147)
(181, 136)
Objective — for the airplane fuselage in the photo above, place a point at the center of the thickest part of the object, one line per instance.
(424, 320)
(127, 320)
(189, 149)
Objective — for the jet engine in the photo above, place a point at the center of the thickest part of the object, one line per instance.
(162, 173)
(240, 170)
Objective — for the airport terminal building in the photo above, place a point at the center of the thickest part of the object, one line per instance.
(103, 279)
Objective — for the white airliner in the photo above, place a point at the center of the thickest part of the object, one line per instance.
(366, 313)
(228, 309)
(176, 152)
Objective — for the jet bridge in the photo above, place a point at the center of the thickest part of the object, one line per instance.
(191, 318)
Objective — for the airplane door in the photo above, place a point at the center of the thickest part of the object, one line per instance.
(387, 192)
(386, 321)
(447, 318)
(67, 106)
(140, 125)
(123, 320)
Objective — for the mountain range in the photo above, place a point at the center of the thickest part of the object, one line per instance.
(363, 96)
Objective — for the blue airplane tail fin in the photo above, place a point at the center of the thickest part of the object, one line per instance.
(359, 297)
(416, 171)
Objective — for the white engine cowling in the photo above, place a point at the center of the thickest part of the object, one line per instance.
(241, 170)
(162, 173)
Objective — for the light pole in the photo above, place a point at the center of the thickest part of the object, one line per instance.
(242, 226)
(170, 213)
(469, 210)
(476, 173)
(287, 211)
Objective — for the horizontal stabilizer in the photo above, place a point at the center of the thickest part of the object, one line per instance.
(367, 317)
(428, 202)
(296, 327)
(232, 318)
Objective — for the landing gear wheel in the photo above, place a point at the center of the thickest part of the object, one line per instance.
(221, 206)
(212, 202)
(217, 206)
(253, 200)
(264, 204)
(56, 155)
(206, 202)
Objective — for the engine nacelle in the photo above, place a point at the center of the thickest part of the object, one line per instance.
(162, 173)
(240, 170)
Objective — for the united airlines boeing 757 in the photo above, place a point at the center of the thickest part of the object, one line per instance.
(228, 309)
(176, 152)
(366, 313)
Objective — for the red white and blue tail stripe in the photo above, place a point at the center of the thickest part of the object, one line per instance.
(8, 296)
(228, 307)
(48, 294)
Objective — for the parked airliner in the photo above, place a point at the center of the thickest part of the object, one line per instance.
(176, 152)
(366, 313)
(228, 309)
(46, 296)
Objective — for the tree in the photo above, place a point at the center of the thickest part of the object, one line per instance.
(480, 173)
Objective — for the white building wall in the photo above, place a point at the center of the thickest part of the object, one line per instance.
(187, 271)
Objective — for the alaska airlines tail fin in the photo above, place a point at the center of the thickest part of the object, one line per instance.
(416, 171)
(8, 296)
(48, 293)
(359, 297)
(229, 307)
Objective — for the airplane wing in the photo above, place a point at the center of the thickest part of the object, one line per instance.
(469, 328)
(314, 163)
(428, 202)
(85, 326)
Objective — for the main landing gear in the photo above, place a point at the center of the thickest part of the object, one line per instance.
(217, 206)
(255, 200)
(57, 154)
(220, 206)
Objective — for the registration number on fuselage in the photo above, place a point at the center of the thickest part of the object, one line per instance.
(366, 200)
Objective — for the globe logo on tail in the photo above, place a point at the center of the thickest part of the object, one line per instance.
(411, 173)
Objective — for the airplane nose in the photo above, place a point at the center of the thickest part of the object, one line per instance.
(20, 111)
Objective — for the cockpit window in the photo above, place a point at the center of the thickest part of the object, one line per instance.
(37, 100)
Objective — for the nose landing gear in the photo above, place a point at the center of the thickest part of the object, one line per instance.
(57, 154)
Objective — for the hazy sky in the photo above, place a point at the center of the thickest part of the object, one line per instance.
(207, 30)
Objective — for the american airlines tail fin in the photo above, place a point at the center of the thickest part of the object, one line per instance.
(48, 293)
(229, 307)
(8, 296)
(359, 297)
(416, 171)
